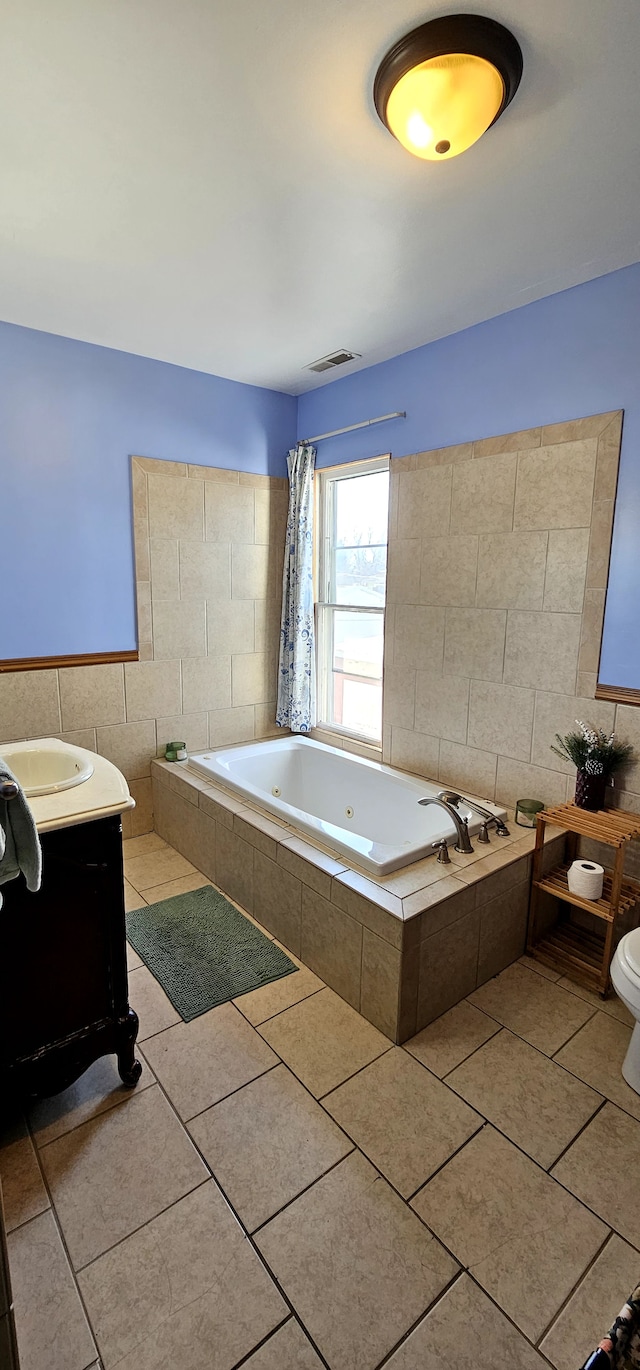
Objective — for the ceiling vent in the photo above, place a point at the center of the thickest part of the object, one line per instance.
(333, 359)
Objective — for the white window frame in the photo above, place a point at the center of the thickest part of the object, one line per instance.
(327, 479)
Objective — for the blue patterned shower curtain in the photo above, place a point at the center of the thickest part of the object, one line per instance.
(296, 707)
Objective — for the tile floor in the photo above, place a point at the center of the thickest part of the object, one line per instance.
(285, 1189)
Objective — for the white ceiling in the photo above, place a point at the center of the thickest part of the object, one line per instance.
(206, 181)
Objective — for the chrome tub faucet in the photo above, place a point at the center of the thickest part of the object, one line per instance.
(463, 843)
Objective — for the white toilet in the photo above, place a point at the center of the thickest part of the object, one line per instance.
(625, 974)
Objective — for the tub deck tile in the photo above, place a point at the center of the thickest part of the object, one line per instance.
(371, 890)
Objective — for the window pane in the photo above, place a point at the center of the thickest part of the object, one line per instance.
(356, 672)
(357, 643)
(361, 575)
(359, 706)
(361, 509)
(352, 573)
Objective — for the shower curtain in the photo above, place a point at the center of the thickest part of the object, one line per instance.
(296, 670)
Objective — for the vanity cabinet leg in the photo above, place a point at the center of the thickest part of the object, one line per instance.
(129, 1069)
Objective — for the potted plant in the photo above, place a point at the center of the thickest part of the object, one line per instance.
(596, 755)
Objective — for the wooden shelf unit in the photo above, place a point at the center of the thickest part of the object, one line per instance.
(573, 950)
(582, 954)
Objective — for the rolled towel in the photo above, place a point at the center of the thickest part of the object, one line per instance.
(19, 842)
(586, 878)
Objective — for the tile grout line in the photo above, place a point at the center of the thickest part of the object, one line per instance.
(160, 883)
(424, 1222)
(575, 1287)
(458, 1275)
(567, 1148)
(599, 1008)
(141, 1226)
(519, 1148)
(466, 1270)
(536, 692)
(319, 1098)
(535, 971)
(18, 1227)
(583, 1128)
(359, 1150)
(545, 1055)
(256, 1027)
(120, 1240)
(572, 1038)
(360, 975)
(247, 1235)
(260, 1076)
(253, 1232)
(63, 1242)
(478, 910)
(445, 1078)
(409, 1199)
(59, 698)
(568, 1191)
(270, 1019)
(606, 1098)
(103, 1111)
(508, 1317)
(265, 1342)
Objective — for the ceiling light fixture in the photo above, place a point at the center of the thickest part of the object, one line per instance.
(442, 86)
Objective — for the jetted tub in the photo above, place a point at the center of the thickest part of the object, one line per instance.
(367, 812)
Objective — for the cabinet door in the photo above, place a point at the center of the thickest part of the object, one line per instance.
(63, 958)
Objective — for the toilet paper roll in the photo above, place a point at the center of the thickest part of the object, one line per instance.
(586, 878)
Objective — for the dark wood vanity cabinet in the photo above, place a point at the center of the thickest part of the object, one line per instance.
(63, 968)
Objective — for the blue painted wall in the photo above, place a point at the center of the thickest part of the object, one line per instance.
(70, 415)
(571, 354)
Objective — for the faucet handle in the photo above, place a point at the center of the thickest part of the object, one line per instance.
(500, 827)
(443, 851)
(464, 844)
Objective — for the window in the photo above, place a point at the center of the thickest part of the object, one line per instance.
(352, 566)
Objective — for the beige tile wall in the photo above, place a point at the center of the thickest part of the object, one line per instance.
(208, 554)
(498, 563)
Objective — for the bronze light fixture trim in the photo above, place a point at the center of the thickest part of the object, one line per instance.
(443, 84)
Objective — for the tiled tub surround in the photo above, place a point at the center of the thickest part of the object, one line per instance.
(208, 548)
(498, 562)
(400, 949)
(366, 812)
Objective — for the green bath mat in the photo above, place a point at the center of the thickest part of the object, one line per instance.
(203, 951)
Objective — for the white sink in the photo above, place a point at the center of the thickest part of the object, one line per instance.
(43, 770)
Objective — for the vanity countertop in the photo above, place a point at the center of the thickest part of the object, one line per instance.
(104, 793)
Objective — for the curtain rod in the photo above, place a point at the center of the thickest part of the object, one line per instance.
(366, 423)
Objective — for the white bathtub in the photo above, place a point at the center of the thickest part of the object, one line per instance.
(367, 812)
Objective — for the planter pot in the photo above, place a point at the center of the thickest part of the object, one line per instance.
(590, 790)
